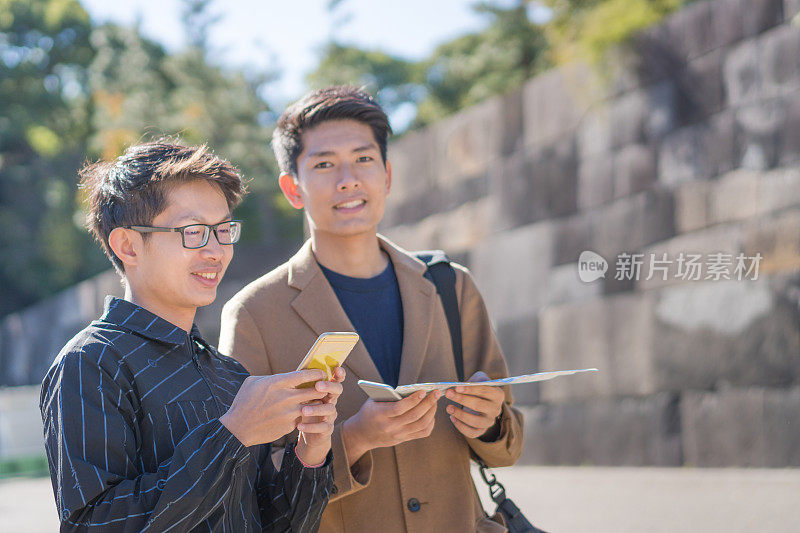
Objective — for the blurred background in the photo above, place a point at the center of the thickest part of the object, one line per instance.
(526, 132)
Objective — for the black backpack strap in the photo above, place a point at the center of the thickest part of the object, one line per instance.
(442, 274)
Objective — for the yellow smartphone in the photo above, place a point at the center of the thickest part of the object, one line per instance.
(328, 351)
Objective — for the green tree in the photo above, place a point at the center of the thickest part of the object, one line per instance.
(44, 50)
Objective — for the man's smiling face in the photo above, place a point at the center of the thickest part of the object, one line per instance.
(169, 277)
(342, 181)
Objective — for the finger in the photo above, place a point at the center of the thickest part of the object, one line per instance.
(324, 409)
(466, 429)
(416, 412)
(303, 396)
(475, 403)
(401, 406)
(474, 420)
(425, 432)
(488, 393)
(329, 387)
(293, 379)
(339, 374)
(316, 427)
(423, 422)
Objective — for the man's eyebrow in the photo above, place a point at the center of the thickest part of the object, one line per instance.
(194, 217)
(327, 153)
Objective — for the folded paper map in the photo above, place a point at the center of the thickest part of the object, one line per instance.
(381, 389)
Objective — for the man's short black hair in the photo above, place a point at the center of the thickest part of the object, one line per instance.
(132, 189)
(331, 103)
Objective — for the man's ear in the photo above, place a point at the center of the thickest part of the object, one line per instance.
(388, 177)
(121, 242)
(288, 185)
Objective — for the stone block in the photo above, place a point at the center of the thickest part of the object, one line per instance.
(777, 239)
(565, 286)
(753, 427)
(702, 87)
(761, 15)
(663, 104)
(789, 138)
(741, 73)
(735, 197)
(413, 165)
(468, 143)
(595, 181)
(791, 8)
(513, 122)
(701, 151)
(634, 169)
(594, 133)
(628, 117)
(779, 60)
(778, 190)
(631, 223)
(691, 206)
(613, 334)
(519, 339)
(511, 268)
(466, 226)
(691, 30)
(554, 103)
(573, 235)
(518, 202)
(614, 432)
(725, 239)
(738, 332)
(760, 125)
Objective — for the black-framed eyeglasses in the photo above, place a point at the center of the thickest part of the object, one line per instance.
(196, 235)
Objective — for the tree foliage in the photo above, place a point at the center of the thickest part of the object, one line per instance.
(71, 91)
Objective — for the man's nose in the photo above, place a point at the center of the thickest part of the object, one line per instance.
(347, 179)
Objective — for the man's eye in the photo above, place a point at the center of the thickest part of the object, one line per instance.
(323, 164)
(365, 159)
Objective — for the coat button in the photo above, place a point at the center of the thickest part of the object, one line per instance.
(161, 483)
(413, 505)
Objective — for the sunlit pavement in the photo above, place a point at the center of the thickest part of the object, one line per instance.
(567, 499)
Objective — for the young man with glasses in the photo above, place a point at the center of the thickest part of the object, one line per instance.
(406, 463)
(147, 427)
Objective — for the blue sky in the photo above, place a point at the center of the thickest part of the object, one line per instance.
(288, 34)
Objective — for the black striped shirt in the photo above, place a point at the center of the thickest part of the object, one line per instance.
(131, 411)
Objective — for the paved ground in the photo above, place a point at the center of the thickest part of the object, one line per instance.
(566, 499)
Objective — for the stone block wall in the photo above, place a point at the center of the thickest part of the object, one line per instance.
(689, 144)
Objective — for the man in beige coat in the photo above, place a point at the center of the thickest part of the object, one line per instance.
(398, 466)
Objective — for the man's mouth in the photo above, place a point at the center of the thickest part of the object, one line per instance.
(208, 278)
(350, 204)
(206, 275)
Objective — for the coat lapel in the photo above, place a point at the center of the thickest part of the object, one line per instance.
(419, 299)
(319, 307)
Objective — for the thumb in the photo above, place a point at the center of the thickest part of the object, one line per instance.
(480, 375)
(298, 377)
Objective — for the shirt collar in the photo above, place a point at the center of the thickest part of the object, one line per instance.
(140, 320)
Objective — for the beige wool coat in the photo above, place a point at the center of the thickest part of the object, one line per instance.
(270, 325)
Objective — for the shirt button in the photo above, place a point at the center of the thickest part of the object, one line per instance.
(334, 489)
(413, 505)
(160, 484)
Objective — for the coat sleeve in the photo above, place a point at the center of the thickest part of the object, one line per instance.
(91, 443)
(240, 337)
(482, 352)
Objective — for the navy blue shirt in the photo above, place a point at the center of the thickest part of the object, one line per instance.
(375, 309)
